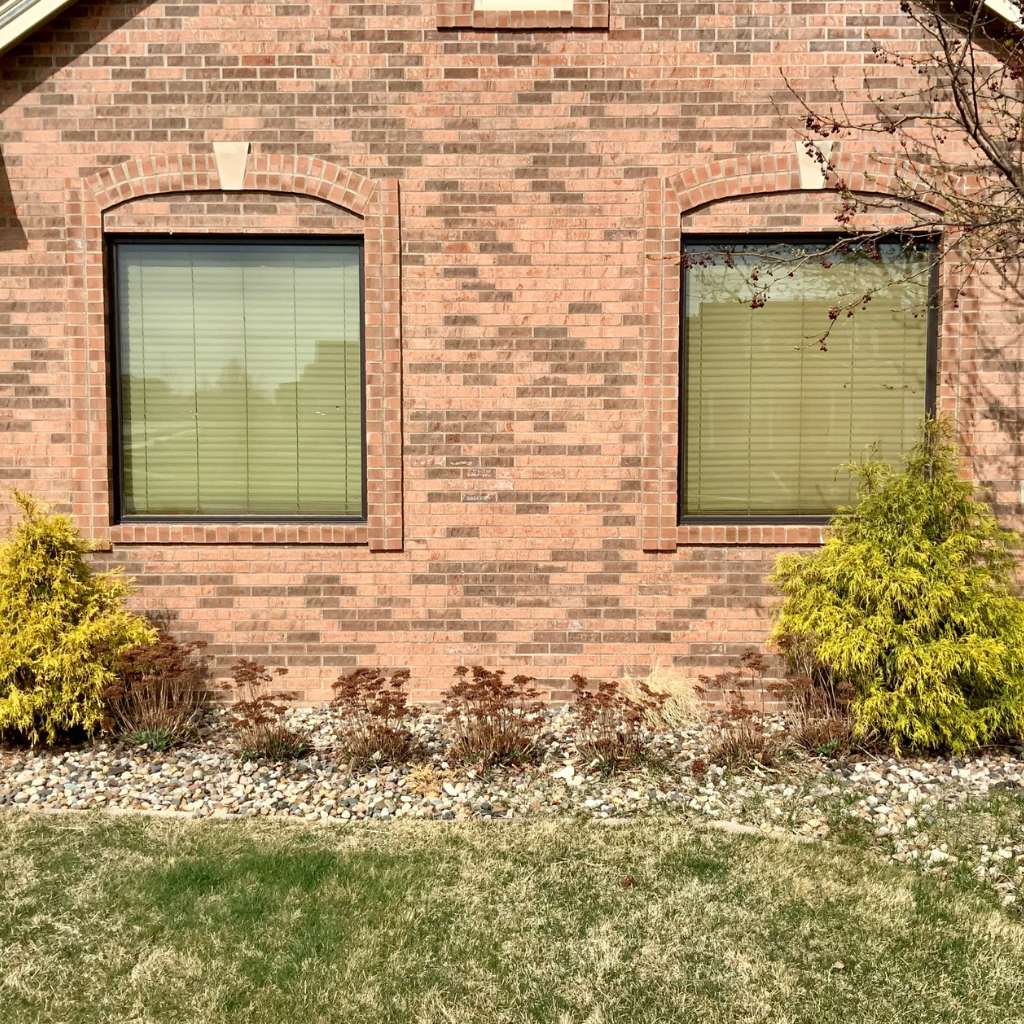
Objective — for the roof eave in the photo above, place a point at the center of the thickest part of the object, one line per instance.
(17, 20)
(1006, 9)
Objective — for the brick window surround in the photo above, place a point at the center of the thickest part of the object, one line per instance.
(585, 14)
(376, 202)
(666, 201)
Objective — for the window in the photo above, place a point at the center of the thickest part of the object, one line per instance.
(523, 5)
(772, 407)
(528, 15)
(240, 379)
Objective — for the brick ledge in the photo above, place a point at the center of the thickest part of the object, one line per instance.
(767, 535)
(238, 533)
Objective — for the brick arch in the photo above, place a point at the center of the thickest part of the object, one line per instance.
(780, 172)
(377, 201)
(306, 176)
(666, 200)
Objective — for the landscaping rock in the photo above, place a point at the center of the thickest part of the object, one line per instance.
(897, 800)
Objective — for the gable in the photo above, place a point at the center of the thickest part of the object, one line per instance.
(20, 18)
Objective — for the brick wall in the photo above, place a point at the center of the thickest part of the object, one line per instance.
(522, 192)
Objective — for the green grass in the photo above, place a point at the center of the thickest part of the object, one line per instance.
(138, 920)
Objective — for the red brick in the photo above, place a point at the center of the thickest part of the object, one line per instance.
(521, 182)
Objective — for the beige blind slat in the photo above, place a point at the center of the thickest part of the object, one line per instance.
(769, 417)
(241, 379)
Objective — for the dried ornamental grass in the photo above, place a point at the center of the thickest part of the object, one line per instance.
(682, 707)
(818, 714)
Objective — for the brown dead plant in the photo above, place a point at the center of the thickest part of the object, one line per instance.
(612, 724)
(374, 716)
(257, 716)
(742, 734)
(817, 706)
(492, 721)
(159, 692)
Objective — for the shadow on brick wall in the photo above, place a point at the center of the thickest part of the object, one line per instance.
(34, 61)
(58, 42)
(12, 234)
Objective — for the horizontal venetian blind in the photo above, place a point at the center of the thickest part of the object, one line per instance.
(769, 417)
(241, 379)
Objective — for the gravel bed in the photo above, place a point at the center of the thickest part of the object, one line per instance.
(896, 801)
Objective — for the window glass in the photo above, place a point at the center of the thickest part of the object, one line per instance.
(777, 393)
(241, 379)
(522, 5)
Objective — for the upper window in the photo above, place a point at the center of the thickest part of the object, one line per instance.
(523, 5)
(522, 14)
(240, 373)
(796, 358)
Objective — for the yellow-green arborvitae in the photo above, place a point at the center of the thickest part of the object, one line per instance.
(912, 601)
(61, 628)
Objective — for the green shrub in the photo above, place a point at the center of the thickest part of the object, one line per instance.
(62, 628)
(911, 601)
(159, 740)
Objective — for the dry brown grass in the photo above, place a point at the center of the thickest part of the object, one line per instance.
(111, 920)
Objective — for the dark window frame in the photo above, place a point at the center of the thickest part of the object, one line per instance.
(112, 242)
(932, 239)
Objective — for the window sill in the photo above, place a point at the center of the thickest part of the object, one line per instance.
(753, 534)
(240, 533)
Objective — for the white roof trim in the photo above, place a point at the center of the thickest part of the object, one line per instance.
(18, 18)
(1006, 9)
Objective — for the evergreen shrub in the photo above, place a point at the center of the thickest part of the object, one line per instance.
(911, 602)
(62, 628)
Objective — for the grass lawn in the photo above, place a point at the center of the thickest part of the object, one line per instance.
(132, 920)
